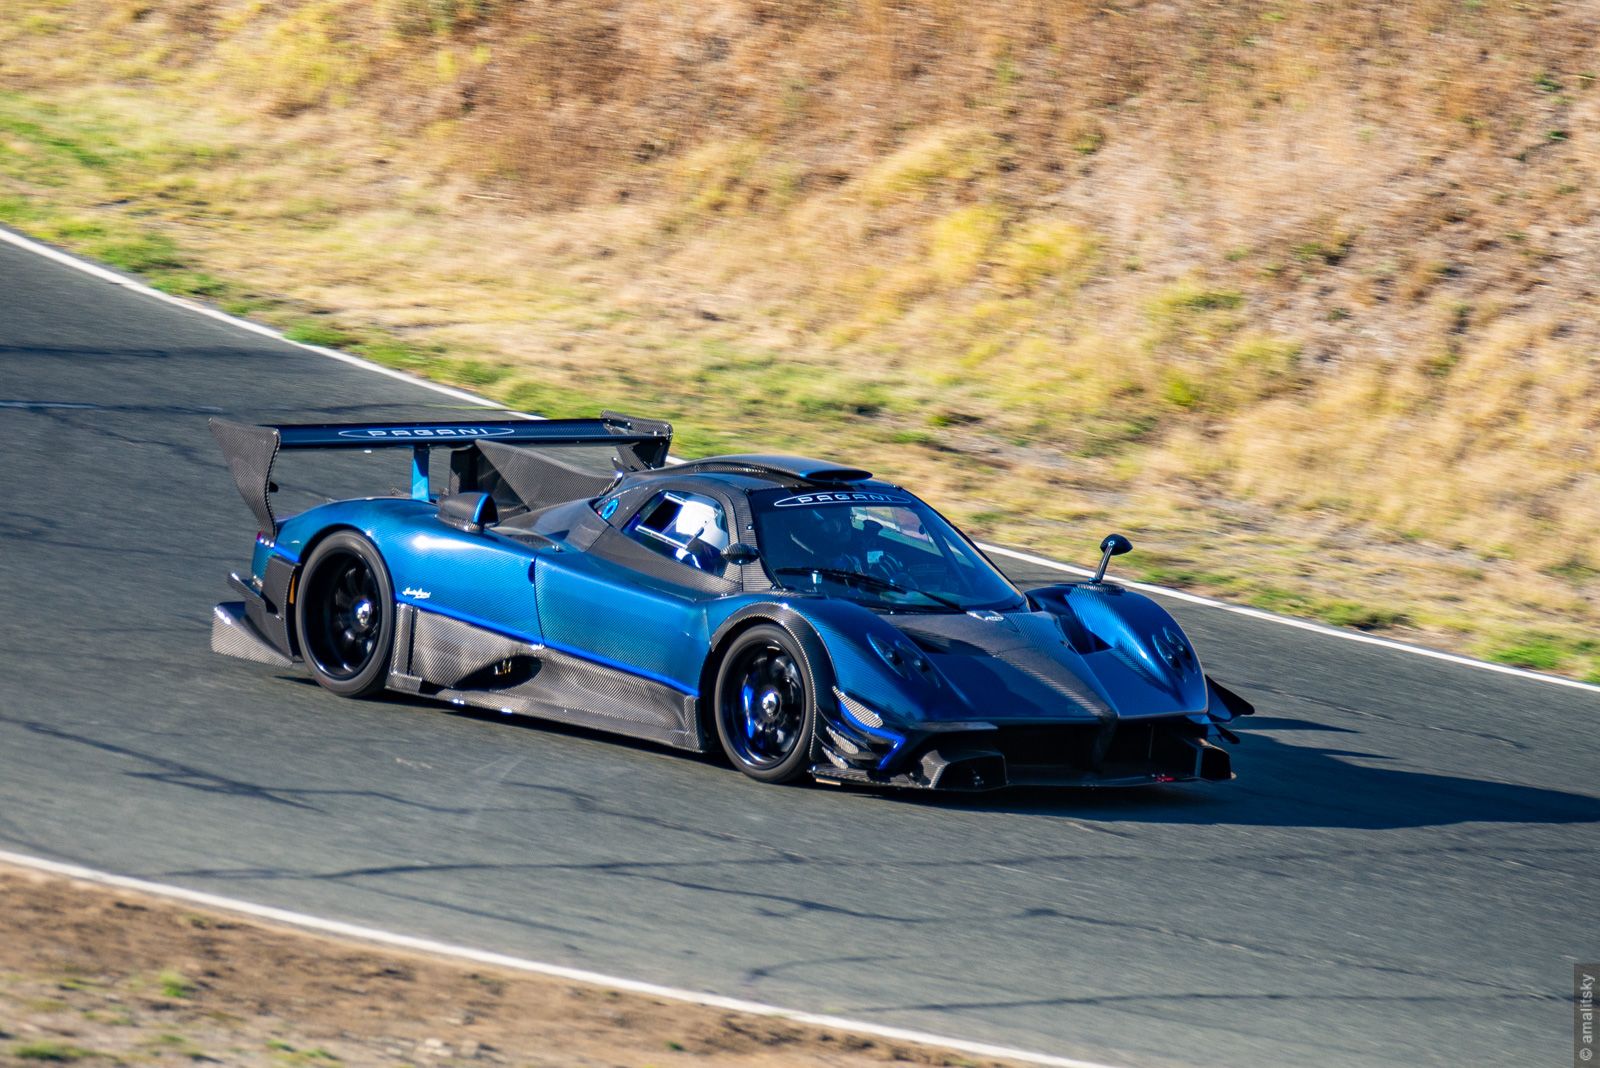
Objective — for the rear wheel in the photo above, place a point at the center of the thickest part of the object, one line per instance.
(344, 615)
(766, 705)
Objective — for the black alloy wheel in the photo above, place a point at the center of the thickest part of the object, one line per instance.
(344, 615)
(766, 705)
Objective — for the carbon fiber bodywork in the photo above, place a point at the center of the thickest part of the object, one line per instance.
(524, 477)
(557, 612)
(468, 665)
(233, 635)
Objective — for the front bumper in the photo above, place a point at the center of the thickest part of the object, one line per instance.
(1121, 753)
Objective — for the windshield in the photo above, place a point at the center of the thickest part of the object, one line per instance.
(885, 549)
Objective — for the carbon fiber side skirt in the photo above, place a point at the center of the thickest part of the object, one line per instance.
(436, 656)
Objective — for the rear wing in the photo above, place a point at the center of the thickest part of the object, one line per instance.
(251, 450)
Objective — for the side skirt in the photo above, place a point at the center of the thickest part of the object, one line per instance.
(436, 656)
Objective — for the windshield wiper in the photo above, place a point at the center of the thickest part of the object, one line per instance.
(846, 575)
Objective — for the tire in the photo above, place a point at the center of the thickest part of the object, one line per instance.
(344, 615)
(766, 705)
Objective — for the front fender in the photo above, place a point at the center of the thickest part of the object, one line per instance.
(1141, 659)
(870, 712)
(907, 694)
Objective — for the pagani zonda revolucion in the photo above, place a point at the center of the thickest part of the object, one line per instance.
(802, 616)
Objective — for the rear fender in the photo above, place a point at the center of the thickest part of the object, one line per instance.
(276, 568)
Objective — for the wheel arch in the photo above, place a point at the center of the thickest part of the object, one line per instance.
(797, 626)
(290, 603)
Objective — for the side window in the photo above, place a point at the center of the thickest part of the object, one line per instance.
(685, 527)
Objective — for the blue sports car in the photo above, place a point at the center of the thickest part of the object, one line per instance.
(803, 617)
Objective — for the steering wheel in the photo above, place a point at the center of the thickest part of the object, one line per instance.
(890, 568)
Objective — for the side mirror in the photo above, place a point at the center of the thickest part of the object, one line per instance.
(740, 553)
(1113, 545)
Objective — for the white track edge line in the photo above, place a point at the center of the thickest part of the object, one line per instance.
(49, 252)
(555, 971)
(1306, 625)
(106, 274)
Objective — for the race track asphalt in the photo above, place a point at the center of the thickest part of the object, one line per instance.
(1403, 873)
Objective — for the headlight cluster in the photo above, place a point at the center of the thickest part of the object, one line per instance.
(901, 656)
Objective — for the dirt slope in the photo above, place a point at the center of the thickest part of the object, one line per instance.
(1302, 294)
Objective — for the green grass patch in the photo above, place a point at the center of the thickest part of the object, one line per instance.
(53, 140)
(1283, 602)
(1532, 650)
(19, 211)
(404, 355)
(1359, 616)
(47, 1052)
(175, 985)
(473, 373)
(1190, 297)
(287, 1055)
(1110, 436)
(191, 284)
(1575, 570)
(244, 307)
(1309, 606)
(697, 439)
(1183, 577)
(544, 398)
(318, 332)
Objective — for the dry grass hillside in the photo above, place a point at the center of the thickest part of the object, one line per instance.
(1301, 295)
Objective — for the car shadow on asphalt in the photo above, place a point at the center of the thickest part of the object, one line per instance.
(1280, 784)
(514, 721)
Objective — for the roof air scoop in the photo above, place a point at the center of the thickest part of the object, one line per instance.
(798, 467)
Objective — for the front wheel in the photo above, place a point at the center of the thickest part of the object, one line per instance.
(766, 705)
(345, 615)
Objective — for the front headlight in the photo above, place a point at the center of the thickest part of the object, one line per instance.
(902, 657)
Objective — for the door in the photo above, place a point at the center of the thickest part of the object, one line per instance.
(636, 600)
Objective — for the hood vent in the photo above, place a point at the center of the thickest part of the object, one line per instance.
(1083, 640)
(942, 644)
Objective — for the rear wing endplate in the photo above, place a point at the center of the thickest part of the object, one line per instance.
(251, 450)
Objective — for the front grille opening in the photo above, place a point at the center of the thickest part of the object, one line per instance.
(1215, 764)
(1164, 746)
(1132, 742)
(1054, 745)
(974, 773)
